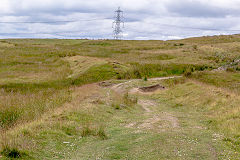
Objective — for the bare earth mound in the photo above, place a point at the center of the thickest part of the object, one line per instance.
(151, 88)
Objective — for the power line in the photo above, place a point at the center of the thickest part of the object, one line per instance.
(19, 22)
(117, 29)
(117, 23)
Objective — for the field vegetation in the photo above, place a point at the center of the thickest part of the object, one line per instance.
(52, 106)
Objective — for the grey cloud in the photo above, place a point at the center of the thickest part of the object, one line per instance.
(198, 8)
(144, 19)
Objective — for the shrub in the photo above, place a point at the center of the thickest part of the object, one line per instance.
(129, 101)
(124, 101)
(188, 72)
(94, 131)
(87, 131)
(116, 106)
(145, 78)
(195, 47)
(101, 133)
(11, 152)
(230, 69)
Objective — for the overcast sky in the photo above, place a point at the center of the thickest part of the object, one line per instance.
(144, 19)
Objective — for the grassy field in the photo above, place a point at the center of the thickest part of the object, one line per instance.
(52, 108)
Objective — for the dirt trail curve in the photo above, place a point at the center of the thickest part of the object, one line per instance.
(158, 121)
(154, 120)
(146, 104)
(122, 87)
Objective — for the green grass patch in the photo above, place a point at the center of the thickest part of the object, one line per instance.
(220, 79)
(8, 117)
(95, 74)
(34, 80)
(159, 70)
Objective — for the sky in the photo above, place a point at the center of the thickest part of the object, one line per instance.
(144, 19)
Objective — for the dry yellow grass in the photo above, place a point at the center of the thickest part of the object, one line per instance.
(221, 105)
(42, 102)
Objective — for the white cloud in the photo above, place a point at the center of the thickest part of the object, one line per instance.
(145, 19)
(5, 7)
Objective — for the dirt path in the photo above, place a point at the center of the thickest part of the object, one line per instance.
(151, 124)
(158, 122)
(122, 87)
(153, 120)
(146, 104)
(163, 78)
(148, 127)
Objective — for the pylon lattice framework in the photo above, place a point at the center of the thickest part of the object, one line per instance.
(118, 24)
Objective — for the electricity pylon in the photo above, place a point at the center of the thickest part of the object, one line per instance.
(118, 24)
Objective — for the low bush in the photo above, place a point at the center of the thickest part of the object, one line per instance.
(129, 101)
(9, 148)
(101, 133)
(188, 72)
(94, 131)
(12, 152)
(87, 131)
(116, 106)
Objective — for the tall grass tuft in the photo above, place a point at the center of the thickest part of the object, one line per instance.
(9, 116)
(94, 131)
(188, 72)
(101, 133)
(124, 101)
(87, 131)
(129, 101)
(9, 148)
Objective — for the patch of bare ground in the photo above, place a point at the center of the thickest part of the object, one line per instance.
(105, 84)
(151, 88)
(213, 151)
(122, 87)
(158, 122)
(146, 104)
(147, 90)
(163, 78)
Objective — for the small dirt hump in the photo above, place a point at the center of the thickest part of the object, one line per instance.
(105, 84)
(151, 88)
